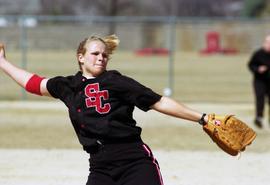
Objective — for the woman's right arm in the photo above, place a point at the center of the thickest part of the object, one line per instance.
(21, 76)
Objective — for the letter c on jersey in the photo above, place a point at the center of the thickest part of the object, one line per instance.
(95, 97)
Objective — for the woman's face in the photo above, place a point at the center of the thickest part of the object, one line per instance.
(94, 61)
(266, 44)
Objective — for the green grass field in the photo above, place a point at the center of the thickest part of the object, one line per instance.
(197, 78)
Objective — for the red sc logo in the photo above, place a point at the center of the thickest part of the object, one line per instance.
(95, 97)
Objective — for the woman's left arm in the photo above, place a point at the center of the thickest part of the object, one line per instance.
(170, 107)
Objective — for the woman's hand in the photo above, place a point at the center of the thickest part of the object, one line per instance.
(2, 52)
(262, 69)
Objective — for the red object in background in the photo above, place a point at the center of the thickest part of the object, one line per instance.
(213, 45)
(152, 51)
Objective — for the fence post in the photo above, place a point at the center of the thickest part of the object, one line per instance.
(168, 91)
(23, 47)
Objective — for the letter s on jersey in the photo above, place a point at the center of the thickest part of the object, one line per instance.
(95, 98)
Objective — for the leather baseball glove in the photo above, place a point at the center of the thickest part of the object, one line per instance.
(229, 133)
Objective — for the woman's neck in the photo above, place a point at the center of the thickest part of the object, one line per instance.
(88, 76)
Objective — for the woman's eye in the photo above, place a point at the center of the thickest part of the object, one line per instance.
(95, 53)
(105, 55)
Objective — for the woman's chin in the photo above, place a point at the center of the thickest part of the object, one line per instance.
(98, 72)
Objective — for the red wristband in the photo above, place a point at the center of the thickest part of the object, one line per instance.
(33, 85)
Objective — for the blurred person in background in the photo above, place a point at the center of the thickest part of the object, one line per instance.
(101, 104)
(259, 65)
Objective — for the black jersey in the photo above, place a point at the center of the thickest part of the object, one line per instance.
(102, 108)
(260, 57)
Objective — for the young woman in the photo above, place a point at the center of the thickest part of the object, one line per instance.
(101, 104)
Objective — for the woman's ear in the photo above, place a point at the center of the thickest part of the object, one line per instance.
(80, 58)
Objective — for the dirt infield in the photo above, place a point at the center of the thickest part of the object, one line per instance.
(70, 167)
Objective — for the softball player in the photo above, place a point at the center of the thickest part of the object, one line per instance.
(101, 104)
(259, 65)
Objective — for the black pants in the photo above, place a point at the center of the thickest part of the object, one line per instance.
(124, 164)
(261, 90)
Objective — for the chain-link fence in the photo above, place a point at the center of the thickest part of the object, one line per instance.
(151, 49)
(63, 32)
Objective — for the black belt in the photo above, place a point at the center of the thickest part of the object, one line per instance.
(100, 143)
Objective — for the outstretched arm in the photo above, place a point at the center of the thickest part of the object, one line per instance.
(19, 75)
(170, 107)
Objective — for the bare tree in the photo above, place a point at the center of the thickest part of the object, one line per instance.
(57, 7)
(112, 8)
(138, 7)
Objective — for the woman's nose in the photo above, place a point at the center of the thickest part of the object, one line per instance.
(100, 57)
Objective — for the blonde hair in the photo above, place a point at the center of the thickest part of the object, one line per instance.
(111, 42)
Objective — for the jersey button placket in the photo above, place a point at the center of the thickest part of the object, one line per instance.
(79, 110)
